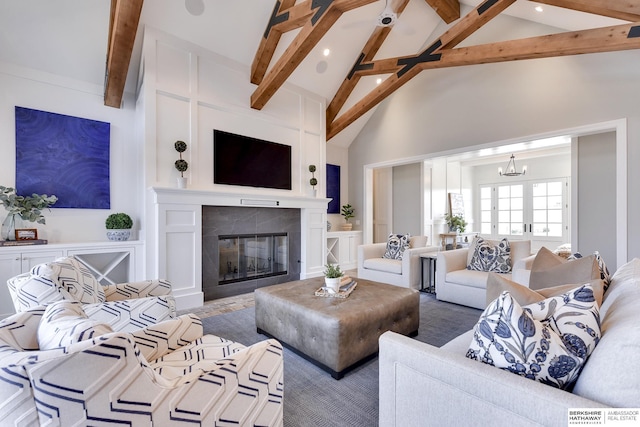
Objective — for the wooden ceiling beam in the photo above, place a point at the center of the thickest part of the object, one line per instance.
(325, 14)
(472, 21)
(269, 41)
(607, 39)
(448, 10)
(618, 9)
(369, 51)
(123, 25)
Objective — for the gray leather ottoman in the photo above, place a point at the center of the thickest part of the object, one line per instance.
(335, 333)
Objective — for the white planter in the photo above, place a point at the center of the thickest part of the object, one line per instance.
(119, 235)
(182, 182)
(332, 284)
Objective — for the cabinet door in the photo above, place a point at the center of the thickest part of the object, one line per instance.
(13, 264)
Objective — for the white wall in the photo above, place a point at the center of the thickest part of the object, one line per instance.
(407, 199)
(451, 110)
(42, 91)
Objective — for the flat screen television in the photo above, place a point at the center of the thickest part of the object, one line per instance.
(250, 162)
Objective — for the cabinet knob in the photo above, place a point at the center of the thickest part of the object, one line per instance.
(17, 258)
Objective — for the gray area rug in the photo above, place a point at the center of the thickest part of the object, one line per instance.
(311, 396)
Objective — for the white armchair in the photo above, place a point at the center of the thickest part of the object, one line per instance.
(404, 272)
(124, 306)
(168, 374)
(454, 283)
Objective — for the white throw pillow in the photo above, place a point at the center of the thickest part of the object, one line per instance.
(65, 323)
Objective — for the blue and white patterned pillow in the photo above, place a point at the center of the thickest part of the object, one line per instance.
(548, 341)
(489, 257)
(396, 245)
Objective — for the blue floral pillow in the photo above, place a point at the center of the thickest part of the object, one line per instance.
(489, 257)
(548, 341)
(396, 245)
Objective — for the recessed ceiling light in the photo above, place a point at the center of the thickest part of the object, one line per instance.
(326, 52)
(378, 81)
(539, 9)
(194, 7)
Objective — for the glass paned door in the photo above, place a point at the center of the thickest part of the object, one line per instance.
(511, 210)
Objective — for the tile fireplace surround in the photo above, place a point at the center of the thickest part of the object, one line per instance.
(174, 235)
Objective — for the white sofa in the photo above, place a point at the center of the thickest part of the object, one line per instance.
(428, 386)
(454, 283)
(404, 272)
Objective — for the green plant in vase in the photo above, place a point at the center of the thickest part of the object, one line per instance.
(456, 223)
(25, 208)
(347, 212)
(332, 276)
(118, 226)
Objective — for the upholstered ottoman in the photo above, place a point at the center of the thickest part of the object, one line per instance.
(335, 333)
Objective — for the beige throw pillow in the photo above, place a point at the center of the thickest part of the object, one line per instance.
(549, 269)
(496, 284)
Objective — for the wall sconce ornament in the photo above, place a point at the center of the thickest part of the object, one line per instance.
(511, 168)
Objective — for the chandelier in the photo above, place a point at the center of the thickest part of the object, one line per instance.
(511, 168)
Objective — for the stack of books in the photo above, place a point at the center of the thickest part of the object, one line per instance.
(23, 242)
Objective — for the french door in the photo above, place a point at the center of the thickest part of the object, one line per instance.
(526, 210)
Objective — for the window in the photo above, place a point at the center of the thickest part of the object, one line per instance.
(533, 210)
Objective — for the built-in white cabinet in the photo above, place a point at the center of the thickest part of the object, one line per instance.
(342, 248)
(110, 262)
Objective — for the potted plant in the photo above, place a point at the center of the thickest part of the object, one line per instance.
(118, 226)
(347, 212)
(181, 164)
(332, 276)
(26, 208)
(456, 223)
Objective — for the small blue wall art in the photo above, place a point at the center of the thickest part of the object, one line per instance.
(63, 155)
(333, 188)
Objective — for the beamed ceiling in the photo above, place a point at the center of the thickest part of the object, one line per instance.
(311, 20)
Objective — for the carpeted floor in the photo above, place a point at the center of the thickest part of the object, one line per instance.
(311, 396)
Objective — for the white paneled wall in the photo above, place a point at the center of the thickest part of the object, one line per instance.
(188, 92)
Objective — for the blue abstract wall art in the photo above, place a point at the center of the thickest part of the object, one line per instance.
(333, 188)
(65, 156)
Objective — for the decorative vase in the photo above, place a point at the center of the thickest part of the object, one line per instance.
(182, 182)
(9, 225)
(332, 284)
(119, 235)
(347, 226)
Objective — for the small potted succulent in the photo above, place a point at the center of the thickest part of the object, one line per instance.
(181, 164)
(119, 226)
(347, 212)
(332, 276)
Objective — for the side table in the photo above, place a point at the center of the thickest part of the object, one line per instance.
(431, 258)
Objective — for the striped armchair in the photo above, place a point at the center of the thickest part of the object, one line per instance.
(169, 374)
(124, 306)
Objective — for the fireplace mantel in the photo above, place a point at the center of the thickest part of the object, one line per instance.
(219, 198)
(174, 234)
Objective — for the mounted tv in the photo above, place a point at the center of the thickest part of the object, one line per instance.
(250, 162)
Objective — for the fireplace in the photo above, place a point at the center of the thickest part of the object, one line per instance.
(244, 248)
(252, 256)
